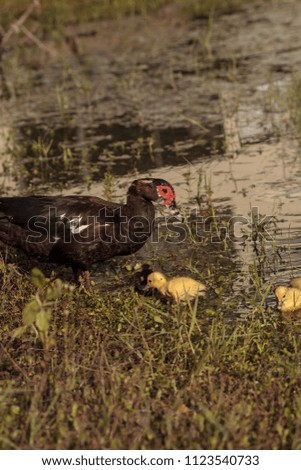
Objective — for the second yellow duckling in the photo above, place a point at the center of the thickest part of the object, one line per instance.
(289, 298)
(179, 288)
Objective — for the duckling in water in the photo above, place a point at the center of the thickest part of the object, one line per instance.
(179, 288)
(289, 298)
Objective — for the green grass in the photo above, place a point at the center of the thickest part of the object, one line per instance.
(114, 370)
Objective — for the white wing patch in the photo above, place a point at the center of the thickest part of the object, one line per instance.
(78, 229)
(75, 225)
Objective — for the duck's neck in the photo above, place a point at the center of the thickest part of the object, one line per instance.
(163, 288)
(137, 205)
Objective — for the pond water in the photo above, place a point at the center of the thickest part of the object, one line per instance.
(151, 103)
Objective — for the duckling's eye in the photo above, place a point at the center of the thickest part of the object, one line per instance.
(150, 281)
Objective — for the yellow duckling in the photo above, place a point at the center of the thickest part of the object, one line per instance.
(289, 298)
(179, 288)
(296, 282)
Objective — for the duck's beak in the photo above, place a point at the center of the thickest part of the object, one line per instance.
(279, 305)
(175, 211)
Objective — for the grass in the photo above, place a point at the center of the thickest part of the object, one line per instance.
(294, 103)
(117, 370)
(55, 15)
(286, 99)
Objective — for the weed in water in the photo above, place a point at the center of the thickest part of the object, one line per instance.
(108, 186)
(294, 104)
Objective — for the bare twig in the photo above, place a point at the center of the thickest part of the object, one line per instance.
(14, 363)
(36, 40)
(15, 27)
(18, 26)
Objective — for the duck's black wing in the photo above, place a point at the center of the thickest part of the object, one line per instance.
(64, 229)
(21, 210)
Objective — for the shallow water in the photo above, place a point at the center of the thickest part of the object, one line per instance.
(150, 103)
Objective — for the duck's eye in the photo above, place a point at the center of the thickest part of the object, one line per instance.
(164, 191)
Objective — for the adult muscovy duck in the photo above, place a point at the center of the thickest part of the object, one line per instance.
(79, 231)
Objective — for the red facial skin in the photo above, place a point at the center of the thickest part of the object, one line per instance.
(167, 194)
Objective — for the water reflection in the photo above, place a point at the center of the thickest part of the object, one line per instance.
(67, 156)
